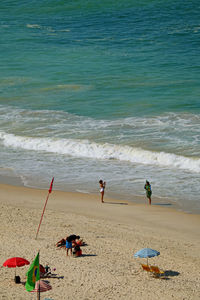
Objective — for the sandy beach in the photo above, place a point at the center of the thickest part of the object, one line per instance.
(113, 231)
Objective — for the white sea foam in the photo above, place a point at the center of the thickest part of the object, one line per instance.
(65, 30)
(106, 151)
(33, 26)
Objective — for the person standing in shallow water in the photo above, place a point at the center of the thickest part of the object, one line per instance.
(102, 188)
(147, 187)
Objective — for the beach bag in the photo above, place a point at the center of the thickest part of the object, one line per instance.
(17, 279)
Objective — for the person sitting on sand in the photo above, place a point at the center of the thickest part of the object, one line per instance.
(77, 251)
(147, 187)
(102, 188)
(45, 271)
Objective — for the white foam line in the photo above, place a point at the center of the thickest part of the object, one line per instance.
(85, 148)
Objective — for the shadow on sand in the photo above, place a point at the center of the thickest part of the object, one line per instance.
(53, 276)
(119, 203)
(162, 204)
(170, 273)
(166, 275)
(46, 281)
(44, 278)
(84, 255)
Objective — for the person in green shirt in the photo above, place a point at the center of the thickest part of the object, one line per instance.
(147, 187)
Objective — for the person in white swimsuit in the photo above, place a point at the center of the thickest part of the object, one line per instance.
(102, 188)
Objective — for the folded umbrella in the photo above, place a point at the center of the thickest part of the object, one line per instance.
(41, 286)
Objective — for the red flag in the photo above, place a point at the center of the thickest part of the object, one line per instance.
(51, 185)
(50, 189)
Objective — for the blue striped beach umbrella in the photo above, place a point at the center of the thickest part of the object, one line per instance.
(146, 253)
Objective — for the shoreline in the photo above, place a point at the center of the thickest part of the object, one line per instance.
(137, 199)
(143, 213)
(113, 231)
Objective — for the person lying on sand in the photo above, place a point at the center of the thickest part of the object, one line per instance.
(61, 243)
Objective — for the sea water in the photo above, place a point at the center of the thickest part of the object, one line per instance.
(102, 90)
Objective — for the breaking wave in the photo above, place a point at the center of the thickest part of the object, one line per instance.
(105, 151)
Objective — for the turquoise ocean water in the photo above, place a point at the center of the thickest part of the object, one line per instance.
(102, 89)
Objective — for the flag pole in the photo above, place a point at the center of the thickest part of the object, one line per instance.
(50, 189)
(33, 274)
(38, 292)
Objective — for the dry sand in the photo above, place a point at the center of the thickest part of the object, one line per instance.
(113, 231)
